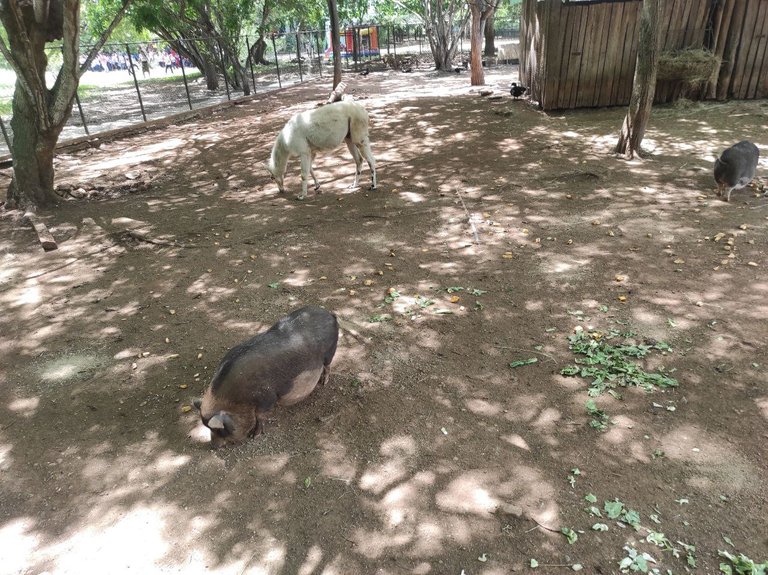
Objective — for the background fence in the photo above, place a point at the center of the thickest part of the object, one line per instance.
(128, 84)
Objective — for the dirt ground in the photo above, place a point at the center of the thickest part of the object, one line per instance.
(426, 453)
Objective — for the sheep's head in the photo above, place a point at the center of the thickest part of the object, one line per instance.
(276, 177)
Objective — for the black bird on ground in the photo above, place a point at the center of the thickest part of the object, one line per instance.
(517, 91)
(366, 71)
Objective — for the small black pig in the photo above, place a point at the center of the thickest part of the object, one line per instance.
(279, 366)
(736, 167)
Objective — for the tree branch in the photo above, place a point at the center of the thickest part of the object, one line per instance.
(22, 60)
(66, 83)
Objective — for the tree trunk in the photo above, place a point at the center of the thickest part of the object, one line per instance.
(335, 42)
(480, 10)
(476, 41)
(39, 113)
(32, 150)
(211, 75)
(644, 84)
(490, 36)
(258, 50)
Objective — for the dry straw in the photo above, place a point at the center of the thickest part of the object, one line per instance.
(692, 66)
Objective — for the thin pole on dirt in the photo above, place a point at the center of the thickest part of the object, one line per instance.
(5, 135)
(298, 56)
(319, 54)
(223, 68)
(277, 64)
(184, 75)
(394, 43)
(132, 68)
(250, 61)
(82, 116)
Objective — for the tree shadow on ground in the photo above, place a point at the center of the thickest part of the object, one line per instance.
(427, 452)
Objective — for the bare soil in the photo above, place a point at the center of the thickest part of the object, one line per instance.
(426, 453)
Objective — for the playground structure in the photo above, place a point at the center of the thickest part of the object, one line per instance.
(357, 43)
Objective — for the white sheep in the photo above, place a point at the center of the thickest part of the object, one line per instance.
(324, 128)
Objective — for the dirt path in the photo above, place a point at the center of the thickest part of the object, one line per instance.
(427, 453)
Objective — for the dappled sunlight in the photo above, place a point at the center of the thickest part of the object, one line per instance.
(139, 155)
(397, 451)
(714, 464)
(446, 431)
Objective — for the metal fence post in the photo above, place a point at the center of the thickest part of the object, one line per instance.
(5, 135)
(82, 116)
(277, 64)
(319, 54)
(298, 56)
(223, 67)
(394, 42)
(132, 69)
(250, 62)
(184, 75)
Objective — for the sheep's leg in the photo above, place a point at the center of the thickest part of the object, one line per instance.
(306, 169)
(312, 171)
(358, 160)
(365, 147)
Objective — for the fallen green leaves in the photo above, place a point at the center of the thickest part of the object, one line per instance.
(741, 565)
(610, 366)
(522, 362)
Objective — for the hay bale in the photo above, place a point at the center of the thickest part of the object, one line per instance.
(692, 66)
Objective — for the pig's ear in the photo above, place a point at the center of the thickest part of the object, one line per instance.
(221, 421)
(197, 402)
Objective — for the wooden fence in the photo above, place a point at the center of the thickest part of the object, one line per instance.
(582, 54)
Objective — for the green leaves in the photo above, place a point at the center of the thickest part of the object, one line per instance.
(741, 565)
(599, 417)
(570, 534)
(522, 362)
(635, 561)
(609, 365)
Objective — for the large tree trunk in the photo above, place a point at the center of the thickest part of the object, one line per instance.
(644, 85)
(335, 42)
(476, 41)
(39, 113)
(32, 150)
(490, 36)
(258, 50)
(481, 10)
(33, 173)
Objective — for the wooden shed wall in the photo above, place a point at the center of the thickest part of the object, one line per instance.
(583, 55)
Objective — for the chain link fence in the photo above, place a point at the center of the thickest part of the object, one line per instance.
(128, 84)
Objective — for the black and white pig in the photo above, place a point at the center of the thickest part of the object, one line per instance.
(280, 366)
(736, 167)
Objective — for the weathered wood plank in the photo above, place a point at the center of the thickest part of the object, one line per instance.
(47, 242)
(629, 58)
(605, 56)
(722, 25)
(566, 25)
(577, 53)
(554, 56)
(612, 60)
(759, 40)
(601, 52)
(746, 54)
(731, 49)
(586, 77)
